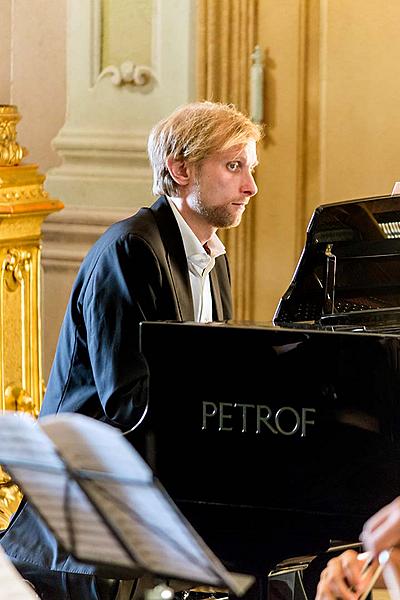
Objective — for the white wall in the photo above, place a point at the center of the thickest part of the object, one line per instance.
(32, 72)
(49, 67)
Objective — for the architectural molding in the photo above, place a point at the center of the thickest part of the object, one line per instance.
(95, 32)
(69, 234)
(128, 73)
(103, 143)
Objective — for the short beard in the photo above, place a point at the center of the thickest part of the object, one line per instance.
(217, 216)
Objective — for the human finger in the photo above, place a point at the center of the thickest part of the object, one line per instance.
(340, 578)
(382, 531)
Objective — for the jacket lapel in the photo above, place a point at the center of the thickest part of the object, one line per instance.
(177, 264)
(176, 257)
(216, 295)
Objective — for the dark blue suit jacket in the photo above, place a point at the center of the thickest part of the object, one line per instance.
(136, 271)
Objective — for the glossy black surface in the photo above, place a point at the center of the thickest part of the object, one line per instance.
(257, 498)
(364, 240)
(326, 371)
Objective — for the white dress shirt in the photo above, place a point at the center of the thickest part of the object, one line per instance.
(200, 263)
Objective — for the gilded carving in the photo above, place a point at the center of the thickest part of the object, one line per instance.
(16, 263)
(11, 153)
(10, 498)
(18, 399)
(24, 204)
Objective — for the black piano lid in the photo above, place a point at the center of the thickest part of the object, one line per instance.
(349, 270)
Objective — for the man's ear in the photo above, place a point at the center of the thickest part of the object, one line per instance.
(179, 170)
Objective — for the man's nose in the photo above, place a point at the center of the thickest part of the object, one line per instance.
(249, 186)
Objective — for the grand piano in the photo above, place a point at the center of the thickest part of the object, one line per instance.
(278, 440)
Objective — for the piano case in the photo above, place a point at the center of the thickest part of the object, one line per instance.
(280, 439)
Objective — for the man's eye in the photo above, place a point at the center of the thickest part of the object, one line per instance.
(233, 166)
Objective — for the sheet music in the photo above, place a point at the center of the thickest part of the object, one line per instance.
(139, 523)
(139, 510)
(32, 459)
(12, 584)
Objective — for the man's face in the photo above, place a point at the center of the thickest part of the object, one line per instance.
(223, 184)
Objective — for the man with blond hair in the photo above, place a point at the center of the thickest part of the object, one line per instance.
(166, 262)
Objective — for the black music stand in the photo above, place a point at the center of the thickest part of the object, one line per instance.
(102, 502)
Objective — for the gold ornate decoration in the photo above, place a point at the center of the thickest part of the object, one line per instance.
(223, 69)
(17, 399)
(10, 498)
(16, 263)
(11, 153)
(24, 204)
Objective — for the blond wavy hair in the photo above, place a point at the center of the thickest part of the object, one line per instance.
(193, 132)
